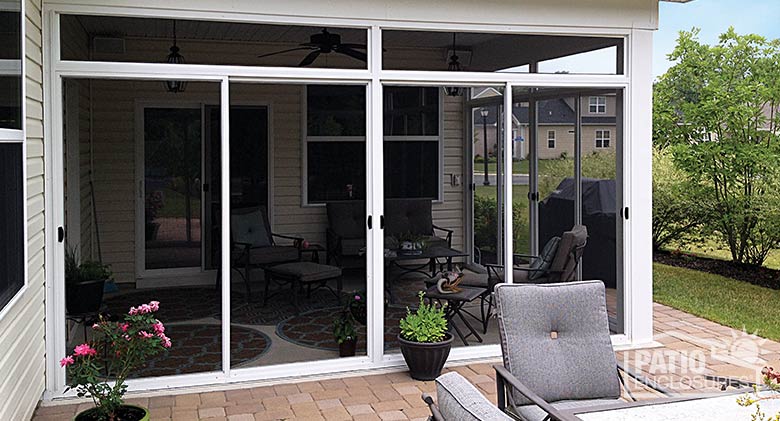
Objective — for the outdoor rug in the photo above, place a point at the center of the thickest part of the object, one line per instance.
(197, 348)
(314, 329)
(188, 303)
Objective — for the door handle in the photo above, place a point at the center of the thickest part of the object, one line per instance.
(381, 222)
(369, 222)
(60, 234)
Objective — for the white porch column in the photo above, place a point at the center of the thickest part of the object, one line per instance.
(224, 164)
(638, 189)
(375, 263)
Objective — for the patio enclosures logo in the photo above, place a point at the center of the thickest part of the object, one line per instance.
(688, 363)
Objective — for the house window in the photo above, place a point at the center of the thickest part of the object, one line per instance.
(602, 138)
(12, 178)
(335, 143)
(597, 105)
(551, 139)
(11, 222)
(10, 65)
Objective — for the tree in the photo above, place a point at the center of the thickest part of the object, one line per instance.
(715, 109)
(676, 209)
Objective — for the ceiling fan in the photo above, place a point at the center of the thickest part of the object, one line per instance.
(324, 43)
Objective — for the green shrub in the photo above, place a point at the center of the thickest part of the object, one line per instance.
(426, 325)
(677, 211)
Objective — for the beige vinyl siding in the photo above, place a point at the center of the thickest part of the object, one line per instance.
(22, 350)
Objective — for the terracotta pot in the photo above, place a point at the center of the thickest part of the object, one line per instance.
(425, 360)
(125, 413)
(347, 348)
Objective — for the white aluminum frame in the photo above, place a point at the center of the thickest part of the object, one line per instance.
(635, 83)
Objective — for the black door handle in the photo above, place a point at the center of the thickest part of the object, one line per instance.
(60, 234)
(381, 222)
(369, 222)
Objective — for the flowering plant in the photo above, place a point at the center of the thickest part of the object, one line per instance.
(356, 304)
(116, 349)
(772, 384)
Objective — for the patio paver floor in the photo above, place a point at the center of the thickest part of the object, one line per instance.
(690, 347)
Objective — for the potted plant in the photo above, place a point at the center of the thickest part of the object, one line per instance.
(356, 305)
(425, 342)
(115, 351)
(345, 333)
(84, 282)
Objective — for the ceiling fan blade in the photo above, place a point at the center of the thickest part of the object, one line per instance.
(284, 51)
(358, 46)
(309, 59)
(352, 53)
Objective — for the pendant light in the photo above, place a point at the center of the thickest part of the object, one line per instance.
(453, 66)
(174, 57)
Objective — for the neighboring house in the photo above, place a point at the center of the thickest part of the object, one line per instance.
(555, 129)
(110, 144)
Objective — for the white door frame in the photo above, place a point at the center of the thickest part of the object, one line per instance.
(638, 302)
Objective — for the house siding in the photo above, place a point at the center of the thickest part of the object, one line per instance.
(22, 351)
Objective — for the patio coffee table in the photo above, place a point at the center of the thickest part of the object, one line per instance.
(303, 274)
(455, 303)
(429, 266)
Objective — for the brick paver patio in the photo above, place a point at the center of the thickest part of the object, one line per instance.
(691, 346)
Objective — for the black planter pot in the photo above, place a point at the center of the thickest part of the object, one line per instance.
(84, 297)
(347, 348)
(425, 360)
(125, 413)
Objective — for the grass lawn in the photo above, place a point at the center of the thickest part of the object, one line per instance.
(726, 301)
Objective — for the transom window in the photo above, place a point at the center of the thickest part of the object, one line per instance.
(335, 143)
(602, 138)
(597, 105)
(551, 139)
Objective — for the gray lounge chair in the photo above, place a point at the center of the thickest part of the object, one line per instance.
(254, 245)
(556, 348)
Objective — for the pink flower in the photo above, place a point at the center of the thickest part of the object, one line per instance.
(96, 326)
(357, 298)
(145, 334)
(133, 311)
(124, 327)
(84, 350)
(154, 305)
(67, 361)
(127, 337)
(158, 327)
(166, 342)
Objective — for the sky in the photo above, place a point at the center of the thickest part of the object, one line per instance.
(713, 17)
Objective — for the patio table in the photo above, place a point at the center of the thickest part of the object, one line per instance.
(719, 406)
(425, 263)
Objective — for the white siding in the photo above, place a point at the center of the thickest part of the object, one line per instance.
(22, 327)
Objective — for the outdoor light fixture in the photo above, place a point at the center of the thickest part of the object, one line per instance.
(484, 113)
(453, 66)
(175, 58)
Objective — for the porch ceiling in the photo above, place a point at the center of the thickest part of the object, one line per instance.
(488, 51)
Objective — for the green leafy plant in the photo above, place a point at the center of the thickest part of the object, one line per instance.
(356, 305)
(344, 327)
(426, 325)
(772, 385)
(88, 270)
(115, 351)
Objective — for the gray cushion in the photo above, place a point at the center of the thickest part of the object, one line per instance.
(459, 400)
(534, 413)
(347, 219)
(575, 363)
(306, 271)
(518, 275)
(471, 279)
(412, 216)
(250, 228)
(543, 262)
(563, 261)
(272, 254)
